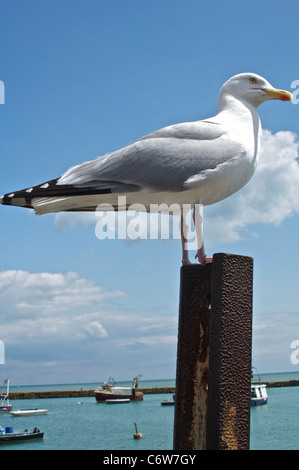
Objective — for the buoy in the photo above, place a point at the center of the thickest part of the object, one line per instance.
(138, 435)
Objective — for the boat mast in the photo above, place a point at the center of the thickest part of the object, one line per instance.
(4, 396)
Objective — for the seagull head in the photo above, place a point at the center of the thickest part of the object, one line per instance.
(251, 89)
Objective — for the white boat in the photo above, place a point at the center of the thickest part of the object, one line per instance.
(29, 412)
(259, 395)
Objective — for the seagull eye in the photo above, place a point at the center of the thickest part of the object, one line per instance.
(252, 79)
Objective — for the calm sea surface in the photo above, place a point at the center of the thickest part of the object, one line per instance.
(83, 424)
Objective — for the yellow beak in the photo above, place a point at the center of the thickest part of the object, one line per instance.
(278, 94)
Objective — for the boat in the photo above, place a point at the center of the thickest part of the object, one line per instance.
(110, 391)
(7, 436)
(29, 412)
(259, 395)
(168, 402)
(118, 400)
(5, 407)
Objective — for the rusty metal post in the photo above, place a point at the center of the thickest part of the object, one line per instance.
(212, 407)
(192, 358)
(228, 418)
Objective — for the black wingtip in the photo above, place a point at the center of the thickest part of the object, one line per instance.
(48, 189)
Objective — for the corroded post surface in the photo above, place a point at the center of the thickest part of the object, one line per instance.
(192, 358)
(228, 418)
(212, 407)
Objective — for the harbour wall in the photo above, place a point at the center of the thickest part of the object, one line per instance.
(91, 393)
(77, 393)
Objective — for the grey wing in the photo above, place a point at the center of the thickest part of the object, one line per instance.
(197, 130)
(161, 161)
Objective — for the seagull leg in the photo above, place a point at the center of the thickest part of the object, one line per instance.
(184, 230)
(200, 254)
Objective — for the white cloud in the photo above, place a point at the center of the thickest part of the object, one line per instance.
(47, 305)
(65, 309)
(270, 197)
(95, 329)
(40, 294)
(152, 341)
(69, 220)
(73, 325)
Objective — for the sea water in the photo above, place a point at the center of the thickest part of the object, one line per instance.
(80, 423)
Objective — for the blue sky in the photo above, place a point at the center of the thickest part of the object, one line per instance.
(83, 78)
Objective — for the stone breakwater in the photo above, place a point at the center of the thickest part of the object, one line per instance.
(91, 393)
(76, 393)
(288, 383)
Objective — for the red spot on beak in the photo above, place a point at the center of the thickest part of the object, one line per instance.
(284, 98)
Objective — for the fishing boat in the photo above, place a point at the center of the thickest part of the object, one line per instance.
(7, 436)
(110, 391)
(259, 395)
(5, 407)
(29, 412)
(168, 402)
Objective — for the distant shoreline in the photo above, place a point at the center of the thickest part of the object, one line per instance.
(146, 391)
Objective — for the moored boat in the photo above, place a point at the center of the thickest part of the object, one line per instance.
(110, 391)
(259, 395)
(29, 412)
(7, 436)
(168, 402)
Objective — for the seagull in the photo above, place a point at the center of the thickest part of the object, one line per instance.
(189, 164)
